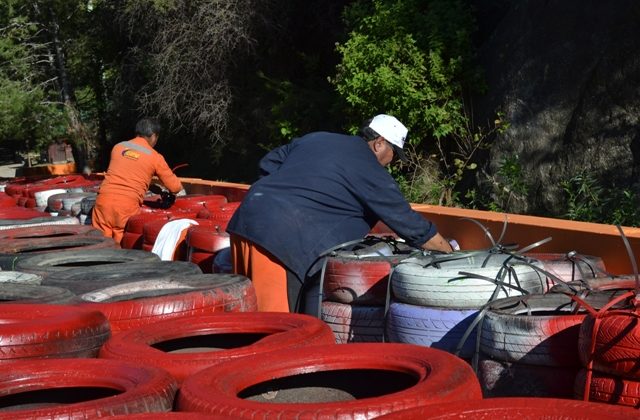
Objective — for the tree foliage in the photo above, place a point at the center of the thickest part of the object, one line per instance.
(412, 59)
(192, 48)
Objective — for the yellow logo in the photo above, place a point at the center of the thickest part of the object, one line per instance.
(131, 154)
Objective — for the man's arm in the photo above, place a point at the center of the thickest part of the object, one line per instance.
(437, 243)
(166, 175)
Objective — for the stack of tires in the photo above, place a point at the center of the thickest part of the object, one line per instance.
(68, 203)
(151, 230)
(354, 288)
(609, 349)
(529, 345)
(437, 297)
(35, 194)
(19, 243)
(132, 237)
(50, 369)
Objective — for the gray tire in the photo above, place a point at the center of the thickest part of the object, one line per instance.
(89, 279)
(20, 277)
(51, 262)
(354, 324)
(536, 329)
(38, 221)
(29, 293)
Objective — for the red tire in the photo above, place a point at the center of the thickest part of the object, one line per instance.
(7, 200)
(204, 260)
(609, 389)
(151, 229)
(172, 415)
(136, 223)
(50, 331)
(617, 343)
(516, 408)
(197, 202)
(191, 295)
(30, 203)
(131, 240)
(378, 379)
(207, 239)
(21, 213)
(187, 345)
(82, 388)
(357, 281)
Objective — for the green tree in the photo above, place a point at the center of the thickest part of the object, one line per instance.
(412, 59)
(43, 57)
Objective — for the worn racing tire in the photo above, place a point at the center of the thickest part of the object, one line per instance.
(330, 381)
(48, 231)
(31, 293)
(30, 331)
(187, 345)
(12, 251)
(83, 280)
(52, 262)
(82, 388)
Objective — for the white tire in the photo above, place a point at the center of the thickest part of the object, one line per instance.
(417, 282)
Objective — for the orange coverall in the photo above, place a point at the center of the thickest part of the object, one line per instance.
(133, 164)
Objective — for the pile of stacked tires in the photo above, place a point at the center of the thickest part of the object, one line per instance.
(494, 309)
(354, 288)
(609, 345)
(63, 197)
(200, 243)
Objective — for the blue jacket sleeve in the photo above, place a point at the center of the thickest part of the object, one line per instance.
(271, 162)
(379, 192)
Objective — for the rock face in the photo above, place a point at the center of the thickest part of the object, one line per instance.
(566, 74)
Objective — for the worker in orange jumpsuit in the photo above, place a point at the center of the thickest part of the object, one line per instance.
(132, 166)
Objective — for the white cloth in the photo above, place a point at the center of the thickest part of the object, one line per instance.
(165, 244)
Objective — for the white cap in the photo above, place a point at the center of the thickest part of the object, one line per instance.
(390, 128)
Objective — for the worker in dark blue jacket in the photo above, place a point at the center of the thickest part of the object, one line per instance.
(319, 191)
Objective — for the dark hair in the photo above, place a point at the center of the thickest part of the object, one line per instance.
(147, 126)
(366, 132)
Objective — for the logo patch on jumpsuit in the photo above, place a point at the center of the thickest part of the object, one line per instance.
(131, 154)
